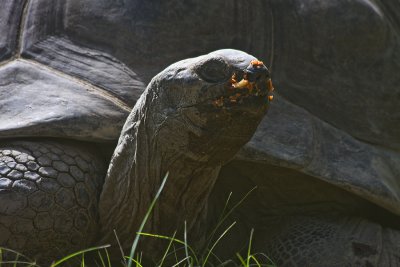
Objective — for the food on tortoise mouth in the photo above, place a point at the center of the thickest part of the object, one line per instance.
(257, 63)
(248, 85)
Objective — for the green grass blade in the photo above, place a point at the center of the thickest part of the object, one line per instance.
(83, 260)
(226, 205)
(249, 248)
(237, 205)
(211, 236)
(252, 257)
(108, 258)
(136, 241)
(270, 261)
(103, 264)
(77, 254)
(216, 242)
(166, 251)
(179, 262)
(134, 261)
(224, 217)
(120, 248)
(227, 263)
(16, 260)
(176, 255)
(241, 260)
(173, 239)
(139, 259)
(174, 252)
(16, 253)
(186, 245)
(220, 262)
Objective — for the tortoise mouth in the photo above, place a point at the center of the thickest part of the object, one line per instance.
(249, 87)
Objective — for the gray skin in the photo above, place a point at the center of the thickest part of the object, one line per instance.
(325, 159)
(177, 127)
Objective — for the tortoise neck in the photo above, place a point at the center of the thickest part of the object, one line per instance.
(145, 152)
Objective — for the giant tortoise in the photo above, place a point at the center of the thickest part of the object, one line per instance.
(325, 159)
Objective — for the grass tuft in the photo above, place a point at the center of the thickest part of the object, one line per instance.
(146, 217)
(78, 253)
(190, 257)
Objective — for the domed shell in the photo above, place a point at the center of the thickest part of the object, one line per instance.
(54, 85)
(73, 69)
(337, 116)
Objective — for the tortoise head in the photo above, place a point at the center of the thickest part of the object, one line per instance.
(177, 126)
(215, 101)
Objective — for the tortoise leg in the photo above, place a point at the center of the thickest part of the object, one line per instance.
(48, 197)
(330, 241)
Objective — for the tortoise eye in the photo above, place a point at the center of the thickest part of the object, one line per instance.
(213, 70)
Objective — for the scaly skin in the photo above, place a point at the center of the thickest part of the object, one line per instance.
(49, 196)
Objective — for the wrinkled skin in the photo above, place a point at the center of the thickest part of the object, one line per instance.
(325, 160)
(193, 137)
